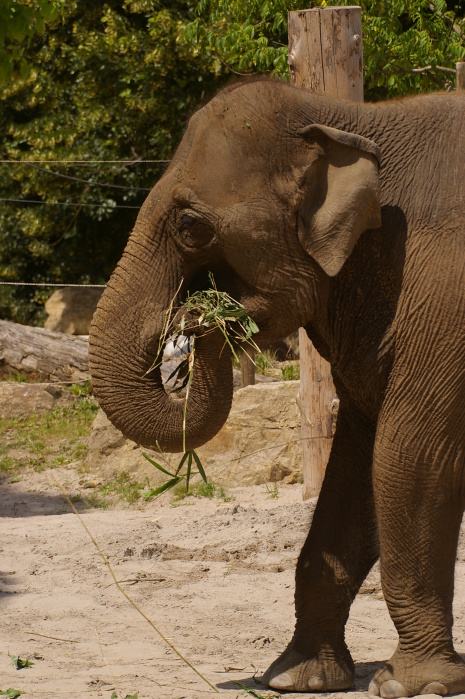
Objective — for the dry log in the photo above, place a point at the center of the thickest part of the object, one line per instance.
(43, 354)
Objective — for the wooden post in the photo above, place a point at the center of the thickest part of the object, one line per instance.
(460, 73)
(247, 367)
(325, 55)
(325, 51)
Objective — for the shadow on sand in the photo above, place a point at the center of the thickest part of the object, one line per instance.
(17, 502)
(363, 675)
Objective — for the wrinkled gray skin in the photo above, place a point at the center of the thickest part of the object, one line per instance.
(298, 223)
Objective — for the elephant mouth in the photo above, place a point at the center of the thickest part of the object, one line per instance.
(224, 278)
(227, 280)
(176, 356)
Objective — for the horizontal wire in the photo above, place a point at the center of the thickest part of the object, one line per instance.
(88, 182)
(31, 304)
(82, 162)
(24, 304)
(69, 203)
(75, 286)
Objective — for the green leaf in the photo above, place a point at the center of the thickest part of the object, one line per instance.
(158, 466)
(24, 70)
(49, 11)
(6, 66)
(21, 663)
(158, 491)
(199, 466)
(182, 462)
(40, 25)
(11, 693)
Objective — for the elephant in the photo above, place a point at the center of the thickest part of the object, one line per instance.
(346, 219)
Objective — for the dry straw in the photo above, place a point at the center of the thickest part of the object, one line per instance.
(206, 310)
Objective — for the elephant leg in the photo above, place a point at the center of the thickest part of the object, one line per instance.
(419, 505)
(340, 549)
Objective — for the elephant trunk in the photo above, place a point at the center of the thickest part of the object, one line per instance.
(124, 342)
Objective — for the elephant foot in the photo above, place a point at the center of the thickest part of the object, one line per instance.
(406, 675)
(299, 671)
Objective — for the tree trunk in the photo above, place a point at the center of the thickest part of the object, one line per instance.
(41, 353)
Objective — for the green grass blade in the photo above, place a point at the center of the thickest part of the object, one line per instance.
(199, 466)
(158, 491)
(160, 468)
(182, 462)
(250, 692)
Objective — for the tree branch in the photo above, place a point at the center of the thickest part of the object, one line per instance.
(455, 27)
(424, 69)
(232, 69)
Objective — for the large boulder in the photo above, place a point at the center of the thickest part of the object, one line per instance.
(24, 399)
(70, 310)
(259, 443)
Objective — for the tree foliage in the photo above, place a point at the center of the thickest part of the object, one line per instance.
(409, 45)
(20, 20)
(117, 80)
(111, 81)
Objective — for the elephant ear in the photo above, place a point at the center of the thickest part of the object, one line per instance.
(339, 194)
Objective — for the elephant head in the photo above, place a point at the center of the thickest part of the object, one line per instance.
(268, 201)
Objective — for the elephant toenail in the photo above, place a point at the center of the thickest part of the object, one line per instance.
(316, 684)
(282, 681)
(373, 689)
(434, 688)
(392, 689)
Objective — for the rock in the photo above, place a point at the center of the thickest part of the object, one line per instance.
(24, 399)
(71, 310)
(259, 443)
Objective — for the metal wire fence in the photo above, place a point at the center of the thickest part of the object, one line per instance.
(36, 164)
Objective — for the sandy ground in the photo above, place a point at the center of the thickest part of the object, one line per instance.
(217, 578)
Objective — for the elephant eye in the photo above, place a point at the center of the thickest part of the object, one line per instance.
(187, 220)
(193, 232)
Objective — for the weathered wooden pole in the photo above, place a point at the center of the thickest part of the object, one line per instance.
(325, 55)
(247, 367)
(460, 76)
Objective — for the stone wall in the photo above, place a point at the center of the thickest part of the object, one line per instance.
(259, 443)
(71, 310)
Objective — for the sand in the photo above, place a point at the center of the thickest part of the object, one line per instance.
(216, 577)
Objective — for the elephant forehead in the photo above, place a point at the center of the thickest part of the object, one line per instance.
(225, 161)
